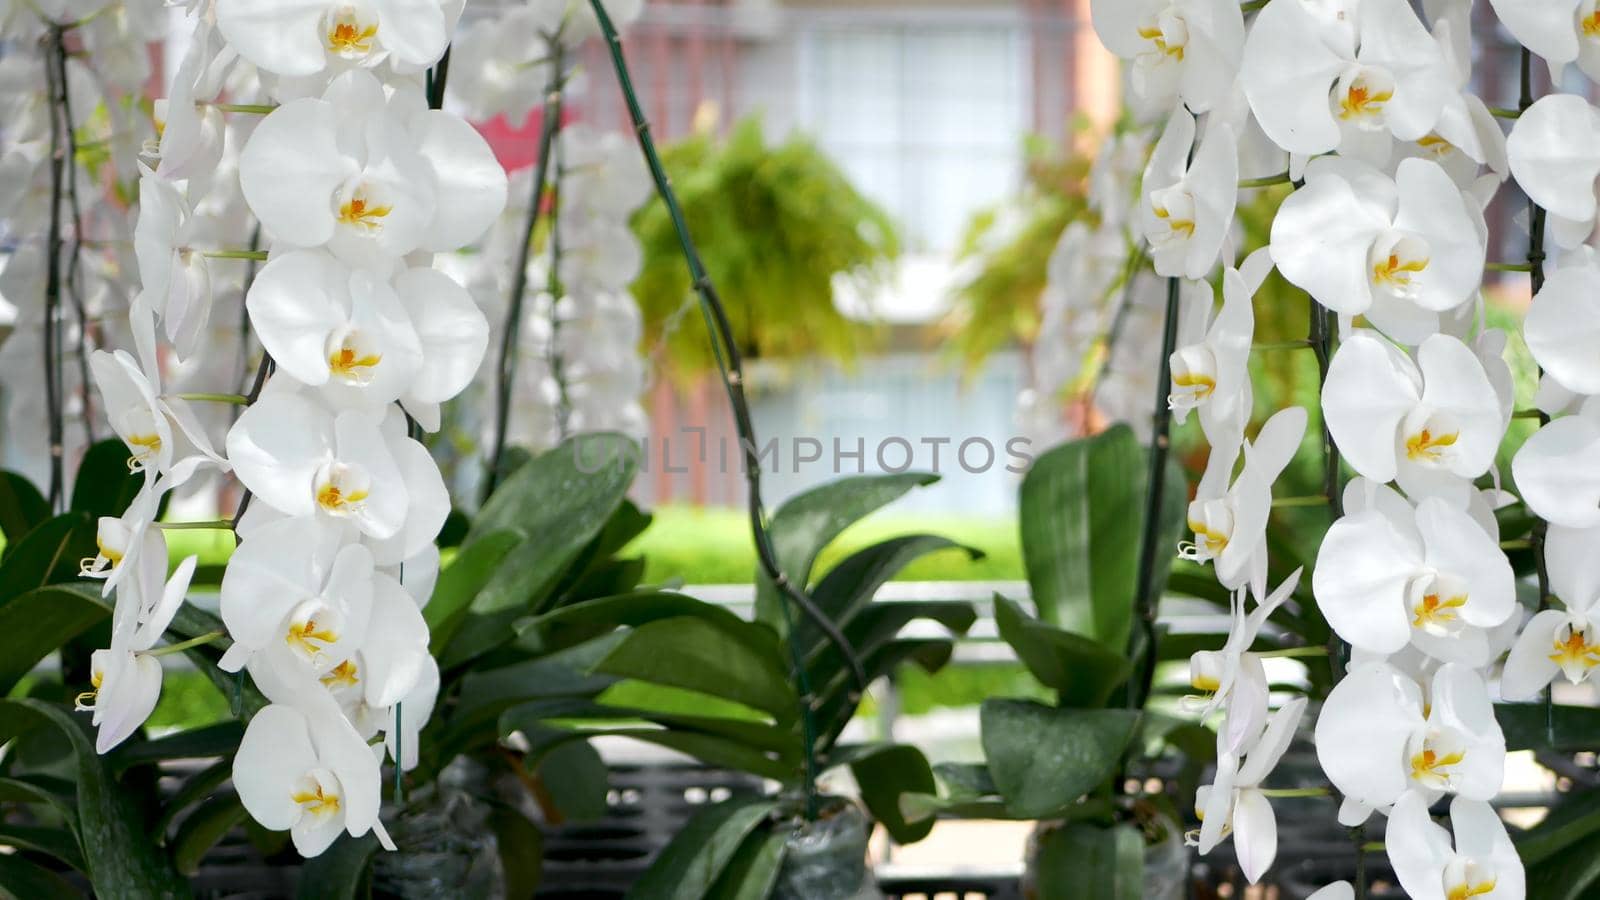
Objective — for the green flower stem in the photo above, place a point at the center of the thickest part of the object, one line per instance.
(1296, 792)
(1299, 502)
(1267, 181)
(209, 637)
(208, 525)
(1145, 594)
(235, 399)
(1508, 267)
(1294, 653)
(1529, 414)
(259, 109)
(1500, 112)
(256, 255)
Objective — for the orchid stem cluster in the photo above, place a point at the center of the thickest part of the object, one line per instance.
(1365, 108)
(352, 181)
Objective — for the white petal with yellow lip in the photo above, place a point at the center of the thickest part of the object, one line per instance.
(307, 771)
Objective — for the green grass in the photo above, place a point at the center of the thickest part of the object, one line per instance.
(713, 546)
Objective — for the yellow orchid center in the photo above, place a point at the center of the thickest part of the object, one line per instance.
(342, 674)
(1574, 651)
(1397, 270)
(1467, 890)
(1432, 766)
(1361, 101)
(361, 213)
(1591, 28)
(1183, 226)
(1215, 541)
(347, 37)
(1436, 145)
(111, 554)
(350, 363)
(306, 636)
(1206, 684)
(1201, 383)
(143, 446)
(1158, 37)
(317, 801)
(1436, 610)
(1425, 445)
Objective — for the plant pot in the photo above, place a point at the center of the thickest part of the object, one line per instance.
(1166, 863)
(444, 843)
(828, 857)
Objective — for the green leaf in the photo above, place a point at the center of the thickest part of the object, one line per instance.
(1044, 758)
(689, 866)
(1571, 874)
(1082, 671)
(713, 750)
(105, 486)
(753, 871)
(738, 661)
(848, 588)
(577, 780)
(1569, 729)
(22, 880)
(1081, 527)
(35, 624)
(205, 742)
(461, 581)
(341, 872)
(49, 554)
(120, 855)
(1081, 860)
(196, 788)
(809, 521)
(758, 735)
(879, 624)
(887, 774)
(49, 840)
(22, 507)
(203, 828)
(1575, 818)
(56, 793)
(570, 625)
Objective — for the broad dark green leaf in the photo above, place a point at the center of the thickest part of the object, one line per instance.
(849, 587)
(49, 840)
(577, 780)
(569, 625)
(22, 880)
(49, 554)
(1081, 520)
(1044, 758)
(694, 861)
(1568, 729)
(58, 794)
(738, 661)
(809, 521)
(837, 700)
(342, 872)
(1080, 860)
(460, 581)
(521, 847)
(205, 742)
(1572, 874)
(1574, 818)
(880, 623)
(753, 871)
(759, 735)
(887, 774)
(22, 507)
(196, 788)
(121, 857)
(34, 624)
(105, 486)
(713, 750)
(1082, 671)
(559, 502)
(203, 828)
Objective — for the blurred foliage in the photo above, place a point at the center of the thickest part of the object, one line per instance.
(1007, 249)
(775, 225)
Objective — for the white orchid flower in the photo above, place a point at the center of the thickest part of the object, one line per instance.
(1331, 76)
(402, 733)
(1554, 150)
(305, 37)
(301, 459)
(1481, 861)
(1229, 521)
(1467, 135)
(454, 336)
(191, 133)
(309, 773)
(1562, 325)
(296, 594)
(598, 256)
(1211, 367)
(1181, 49)
(1561, 31)
(1399, 252)
(371, 176)
(176, 277)
(389, 663)
(602, 175)
(1234, 676)
(419, 573)
(1563, 641)
(496, 61)
(427, 498)
(1388, 574)
(1555, 473)
(1234, 803)
(161, 432)
(1433, 424)
(1188, 206)
(1379, 737)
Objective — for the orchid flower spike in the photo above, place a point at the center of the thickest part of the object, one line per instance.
(1433, 424)
(1181, 49)
(1389, 574)
(1229, 521)
(1481, 861)
(1188, 206)
(1233, 804)
(1211, 367)
(1378, 736)
(1400, 252)
(1234, 676)
(1560, 641)
(1554, 151)
(307, 771)
(1344, 76)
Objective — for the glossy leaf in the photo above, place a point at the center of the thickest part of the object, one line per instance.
(1080, 860)
(203, 828)
(35, 624)
(1574, 819)
(1567, 729)
(521, 847)
(738, 661)
(577, 780)
(689, 866)
(49, 554)
(26, 881)
(849, 587)
(887, 774)
(104, 485)
(1082, 671)
(342, 872)
(753, 871)
(1044, 758)
(22, 507)
(461, 581)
